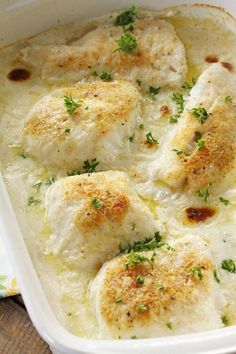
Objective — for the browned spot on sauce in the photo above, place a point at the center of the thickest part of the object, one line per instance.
(164, 109)
(228, 66)
(19, 74)
(199, 214)
(211, 59)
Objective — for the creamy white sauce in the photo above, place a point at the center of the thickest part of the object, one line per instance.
(65, 287)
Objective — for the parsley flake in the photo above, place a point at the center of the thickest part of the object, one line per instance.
(32, 201)
(131, 137)
(67, 130)
(178, 99)
(150, 139)
(106, 76)
(225, 320)
(200, 113)
(142, 308)
(228, 99)
(126, 43)
(229, 265)
(118, 300)
(96, 203)
(216, 276)
(90, 167)
(178, 151)
(73, 173)
(134, 337)
(23, 155)
(153, 91)
(140, 279)
(169, 325)
(71, 104)
(139, 82)
(37, 186)
(50, 181)
(126, 17)
(195, 271)
(161, 287)
(205, 194)
(224, 201)
(200, 144)
(134, 259)
(141, 126)
(186, 86)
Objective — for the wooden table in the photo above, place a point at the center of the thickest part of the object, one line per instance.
(17, 334)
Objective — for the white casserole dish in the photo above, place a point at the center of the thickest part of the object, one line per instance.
(20, 19)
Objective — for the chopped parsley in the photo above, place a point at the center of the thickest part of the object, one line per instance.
(224, 201)
(131, 137)
(67, 130)
(73, 173)
(118, 300)
(186, 86)
(200, 144)
(195, 271)
(153, 91)
(200, 113)
(126, 43)
(142, 308)
(225, 320)
(32, 201)
(178, 99)
(140, 279)
(37, 186)
(126, 17)
(169, 325)
(139, 82)
(134, 259)
(228, 99)
(23, 155)
(71, 104)
(150, 139)
(205, 194)
(104, 75)
(178, 151)
(90, 167)
(50, 181)
(161, 287)
(134, 337)
(96, 203)
(216, 276)
(229, 265)
(141, 126)
(128, 28)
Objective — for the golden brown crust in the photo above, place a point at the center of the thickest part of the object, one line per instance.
(179, 287)
(114, 204)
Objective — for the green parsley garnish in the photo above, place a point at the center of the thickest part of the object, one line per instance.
(90, 167)
(67, 130)
(131, 137)
(134, 259)
(128, 28)
(37, 186)
(73, 173)
(139, 82)
(134, 337)
(142, 308)
(178, 98)
(187, 86)
(169, 325)
(178, 151)
(32, 201)
(50, 181)
(23, 155)
(118, 300)
(161, 287)
(229, 265)
(141, 126)
(140, 279)
(225, 320)
(106, 76)
(195, 270)
(205, 194)
(126, 43)
(216, 276)
(228, 99)
(200, 144)
(150, 139)
(224, 201)
(96, 203)
(200, 113)
(71, 104)
(126, 17)
(153, 91)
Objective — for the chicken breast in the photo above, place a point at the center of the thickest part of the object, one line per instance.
(201, 148)
(99, 127)
(157, 293)
(91, 215)
(158, 59)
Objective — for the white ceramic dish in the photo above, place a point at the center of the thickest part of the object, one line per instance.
(20, 19)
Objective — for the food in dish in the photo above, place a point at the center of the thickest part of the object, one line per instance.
(117, 143)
